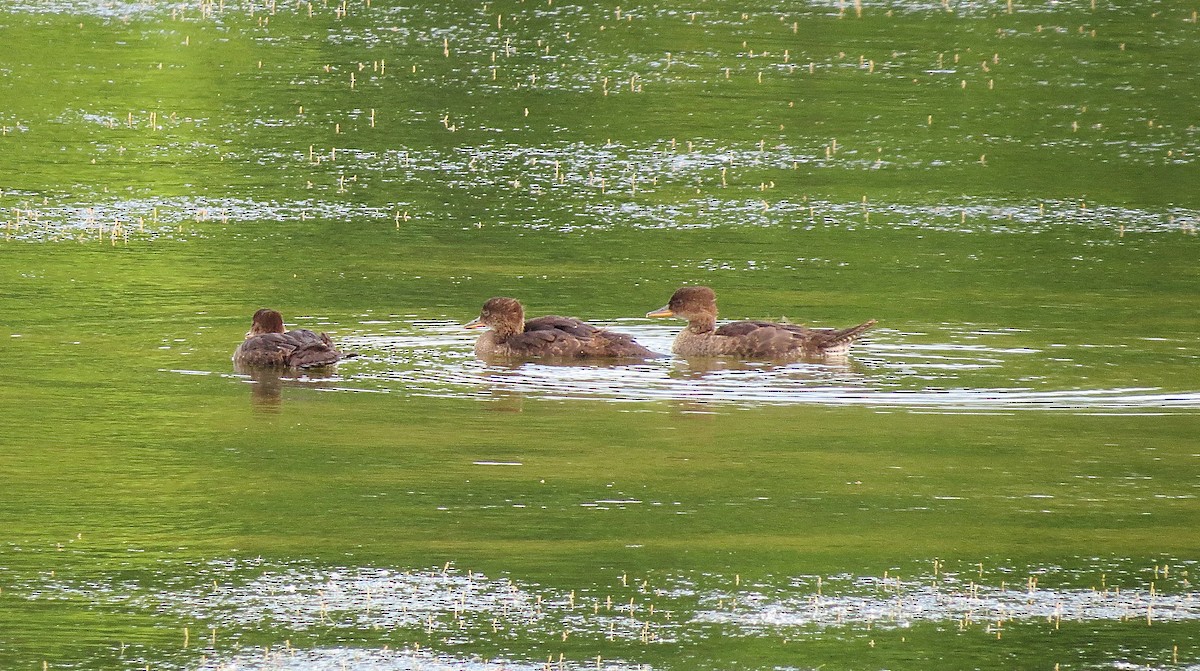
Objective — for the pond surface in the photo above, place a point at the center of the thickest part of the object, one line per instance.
(1004, 474)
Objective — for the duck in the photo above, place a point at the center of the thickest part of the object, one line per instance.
(749, 339)
(511, 336)
(268, 345)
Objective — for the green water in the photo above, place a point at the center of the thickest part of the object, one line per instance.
(1004, 475)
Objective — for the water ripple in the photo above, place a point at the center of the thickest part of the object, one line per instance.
(892, 371)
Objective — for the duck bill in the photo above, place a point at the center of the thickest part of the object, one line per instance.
(664, 311)
(475, 324)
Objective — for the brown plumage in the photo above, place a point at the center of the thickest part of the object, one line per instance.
(551, 337)
(749, 339)
(268, 345)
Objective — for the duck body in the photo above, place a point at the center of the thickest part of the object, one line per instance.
(511, 336)
(750, 339)
(268, 345)
(767, 340)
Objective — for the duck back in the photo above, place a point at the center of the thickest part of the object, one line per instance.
(568, 325)
(769, 340)
(299, 348)
(555, 337)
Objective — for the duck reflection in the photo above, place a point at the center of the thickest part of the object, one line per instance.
(266, 384)
(500, 365)
(697, 368)
(506, 383)
(503, 400)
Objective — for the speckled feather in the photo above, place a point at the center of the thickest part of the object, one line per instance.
(769, 340)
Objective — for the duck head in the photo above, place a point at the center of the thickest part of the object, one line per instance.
(504, 316)
(698, 305)
(266, 321)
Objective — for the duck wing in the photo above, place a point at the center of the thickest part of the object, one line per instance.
(749, 327)
(762, 339)
(569, 338)
(575, 327)
(775, 341)
(619, 346)
(544, 340)
(311, 349)
(264, 350)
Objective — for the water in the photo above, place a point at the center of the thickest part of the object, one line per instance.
(1002, 475)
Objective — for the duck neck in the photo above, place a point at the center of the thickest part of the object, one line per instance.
(702, 323)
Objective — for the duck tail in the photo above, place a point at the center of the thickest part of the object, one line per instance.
(315, 358)
(846, 336)
(317, 350)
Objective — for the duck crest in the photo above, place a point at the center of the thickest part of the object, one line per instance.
(266, 321)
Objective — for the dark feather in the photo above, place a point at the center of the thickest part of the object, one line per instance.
(549, 337)
(556, 337)
(575, 327)
(843, 336)
(560, 337)
(299, 348)
(750, 326)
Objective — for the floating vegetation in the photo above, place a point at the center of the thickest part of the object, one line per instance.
(337, 659)
(445, 606)
(539, 163)
(897, 603)
(151, 219)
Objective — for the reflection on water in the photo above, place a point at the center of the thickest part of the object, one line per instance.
(267, 384)
(969, 370)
